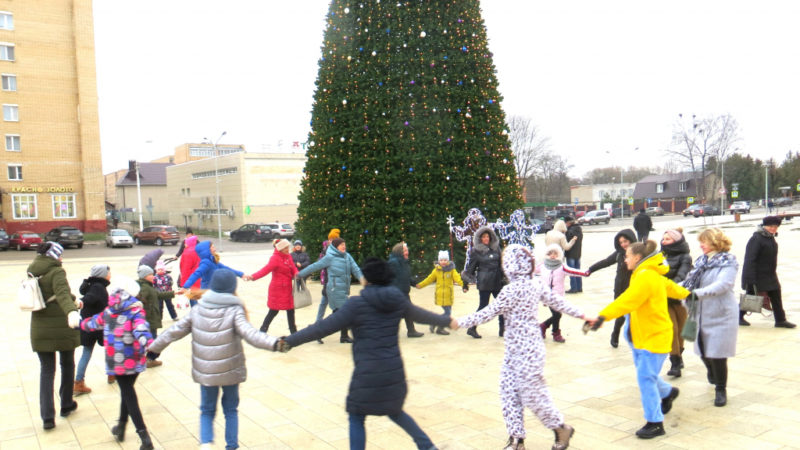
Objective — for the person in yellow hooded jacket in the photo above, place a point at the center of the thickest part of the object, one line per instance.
(445, 276)
(648, 329)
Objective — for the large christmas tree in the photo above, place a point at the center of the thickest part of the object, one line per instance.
(407, 129)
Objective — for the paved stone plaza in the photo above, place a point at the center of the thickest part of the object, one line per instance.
(296, 400)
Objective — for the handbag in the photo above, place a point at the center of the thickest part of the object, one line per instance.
(689, 331)
(752, 302)
(301, 294)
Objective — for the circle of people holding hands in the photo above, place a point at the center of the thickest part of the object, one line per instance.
(652, 288)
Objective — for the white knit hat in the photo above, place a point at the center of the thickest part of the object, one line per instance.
(444, 254)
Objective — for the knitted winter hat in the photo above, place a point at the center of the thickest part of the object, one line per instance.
(376, 271)
(160, 265)
(298, 242)
(99, 271)
(144, 271)
(51, 249)
(444, 254)
(554, 248)
(334, 234)
(771, 220)
(676, 235)
(281, 245)
(337, 242)
(223, 281)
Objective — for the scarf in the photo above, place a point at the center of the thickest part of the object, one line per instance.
(552, 264)
(704, 263)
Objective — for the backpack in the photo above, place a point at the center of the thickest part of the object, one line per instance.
(29, 295)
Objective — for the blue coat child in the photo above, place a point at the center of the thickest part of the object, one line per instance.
(208, 264)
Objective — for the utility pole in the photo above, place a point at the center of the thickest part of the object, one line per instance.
(139, 194)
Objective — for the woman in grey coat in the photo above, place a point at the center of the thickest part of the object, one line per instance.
(218, 324)
(711, 282)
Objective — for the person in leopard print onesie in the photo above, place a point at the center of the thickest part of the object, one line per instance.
(522, 382)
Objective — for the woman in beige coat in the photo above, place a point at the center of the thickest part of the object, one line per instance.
(558, 236)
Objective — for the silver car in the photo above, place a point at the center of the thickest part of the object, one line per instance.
(119, 238)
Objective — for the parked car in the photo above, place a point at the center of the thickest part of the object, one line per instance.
(595, 217)
(580, 214)
(65, 236)
(654, 211)
(739, 207)
(157, 234)
(282, 230)
(3, 240)
(784, 201)
(252, 232)
(544, 225)
(702, 210)
(22, 240)
(119, 238)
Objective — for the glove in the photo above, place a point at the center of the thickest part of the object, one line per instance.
(465, 287)
(282, 346)
(74, 319)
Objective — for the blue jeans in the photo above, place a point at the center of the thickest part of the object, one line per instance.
(322, 305)
(651, 386)
(575, 283)
(208, 409)
(84, 362)
(358, 435)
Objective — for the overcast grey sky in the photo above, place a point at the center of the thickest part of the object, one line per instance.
(596, 77)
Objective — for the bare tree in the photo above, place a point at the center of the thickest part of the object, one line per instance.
(528, 144)
(548, 180)
(695, 141)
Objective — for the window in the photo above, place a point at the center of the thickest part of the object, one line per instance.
(24, 206)
(6, 20)
(12, 143)
(15, 172)
(659, 188)
(211, 173)
(6, 51)
(209, 151)
(682, 186)
(64, 206)
(11, 113)
(9, 82)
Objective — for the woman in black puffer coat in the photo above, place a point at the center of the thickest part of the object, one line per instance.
(485, 260)
(95, 299)
(676, 251)
(378, 386)
(622, 240)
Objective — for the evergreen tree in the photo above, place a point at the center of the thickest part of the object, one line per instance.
(406, 128)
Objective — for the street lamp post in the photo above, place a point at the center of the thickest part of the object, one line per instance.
(139, 195)
(216, 180)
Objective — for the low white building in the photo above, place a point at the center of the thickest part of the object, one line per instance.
(596, 194)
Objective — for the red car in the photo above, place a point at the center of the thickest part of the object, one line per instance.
(24, 239)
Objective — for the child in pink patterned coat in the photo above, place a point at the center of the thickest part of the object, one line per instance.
(522, 383)
(552, 272)
(126, 336)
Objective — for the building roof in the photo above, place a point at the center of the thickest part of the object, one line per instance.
(150, 174)
(646, 187)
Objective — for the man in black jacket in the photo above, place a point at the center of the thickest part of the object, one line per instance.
(573, 255)
(642, 224)
(398, 262)
(759, 271)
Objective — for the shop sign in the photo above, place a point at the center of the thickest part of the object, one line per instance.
(39, 190)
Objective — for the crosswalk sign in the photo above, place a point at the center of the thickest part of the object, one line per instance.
(734, 194)
(690, 200)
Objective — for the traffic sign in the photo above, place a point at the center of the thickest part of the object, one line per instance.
(734, 194)
(722, 190)
(798, 187)
(690, 200)
(630, 201)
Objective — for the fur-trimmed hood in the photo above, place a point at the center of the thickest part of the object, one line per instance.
(494, 243)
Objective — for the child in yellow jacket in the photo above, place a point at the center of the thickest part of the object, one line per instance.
(445, 276)
(648, 329)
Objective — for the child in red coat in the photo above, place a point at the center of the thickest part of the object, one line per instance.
(279, 297)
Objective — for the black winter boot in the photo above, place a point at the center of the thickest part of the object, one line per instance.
(651, 430)
(675, 368)
(118, 431)
(147, 444)
(721, 397)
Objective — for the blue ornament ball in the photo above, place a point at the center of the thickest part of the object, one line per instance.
(341, 195)
(410, 169)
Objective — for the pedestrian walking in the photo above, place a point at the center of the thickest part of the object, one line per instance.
(522, 383)
(445, 275)
(553, 271)
(189, 262)
(126, 336)
(676, 252)
(622, 241)
(573, 255)
(484, 269)
(760, 270)
(711, 282)
(95, 300)
(378, 385)
(648, 330)
(148, 296)
(279, 296)
(398, 263)
(217, 325)
(53, 331)
(642, 223)
(340, 268)
(162, 281)
(182, 248)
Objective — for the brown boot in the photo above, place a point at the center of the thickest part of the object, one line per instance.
(563, 434)
(79, 388)
(111, 379)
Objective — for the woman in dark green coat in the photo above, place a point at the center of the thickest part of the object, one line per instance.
(52, 330)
